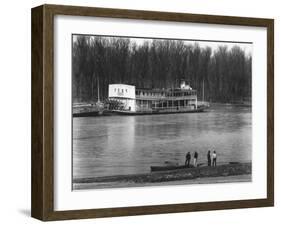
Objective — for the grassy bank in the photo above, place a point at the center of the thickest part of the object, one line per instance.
(224, 170)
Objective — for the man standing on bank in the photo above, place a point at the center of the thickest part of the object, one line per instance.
(195, 159)
(214, 158)
(187, 159)
(209, 158)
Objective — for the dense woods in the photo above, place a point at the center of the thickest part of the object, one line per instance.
(226, 73)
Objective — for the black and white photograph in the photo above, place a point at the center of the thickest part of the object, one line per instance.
(152, 111)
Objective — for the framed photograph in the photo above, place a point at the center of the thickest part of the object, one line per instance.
(141, 112)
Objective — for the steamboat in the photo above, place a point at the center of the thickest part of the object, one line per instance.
(126, 99)
(141, 101)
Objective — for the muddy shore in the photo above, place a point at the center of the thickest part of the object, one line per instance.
(222, 172)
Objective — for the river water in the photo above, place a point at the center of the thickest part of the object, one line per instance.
(120, 145)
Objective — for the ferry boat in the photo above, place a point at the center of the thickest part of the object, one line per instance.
(140, 101)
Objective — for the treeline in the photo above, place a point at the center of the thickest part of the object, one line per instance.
(225, 73)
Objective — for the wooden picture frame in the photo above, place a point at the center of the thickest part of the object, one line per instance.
(42, 203)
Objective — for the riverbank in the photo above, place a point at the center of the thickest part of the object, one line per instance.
(240, 172)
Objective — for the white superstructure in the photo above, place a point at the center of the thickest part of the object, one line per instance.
(153, 100)
(185, 86)
(123, 93)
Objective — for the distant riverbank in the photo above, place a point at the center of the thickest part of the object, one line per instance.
(240, 172)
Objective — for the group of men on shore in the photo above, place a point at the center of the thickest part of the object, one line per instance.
(211, 158)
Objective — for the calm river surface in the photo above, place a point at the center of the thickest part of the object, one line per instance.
(116, 145)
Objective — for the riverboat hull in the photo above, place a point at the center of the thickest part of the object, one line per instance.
(152, 112)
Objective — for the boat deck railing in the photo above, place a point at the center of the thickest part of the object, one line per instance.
(164, 98)
(166, 109)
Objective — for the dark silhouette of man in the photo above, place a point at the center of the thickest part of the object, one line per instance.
(187, 159)
(209, 158)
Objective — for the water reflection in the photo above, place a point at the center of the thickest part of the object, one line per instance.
(131, 144)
